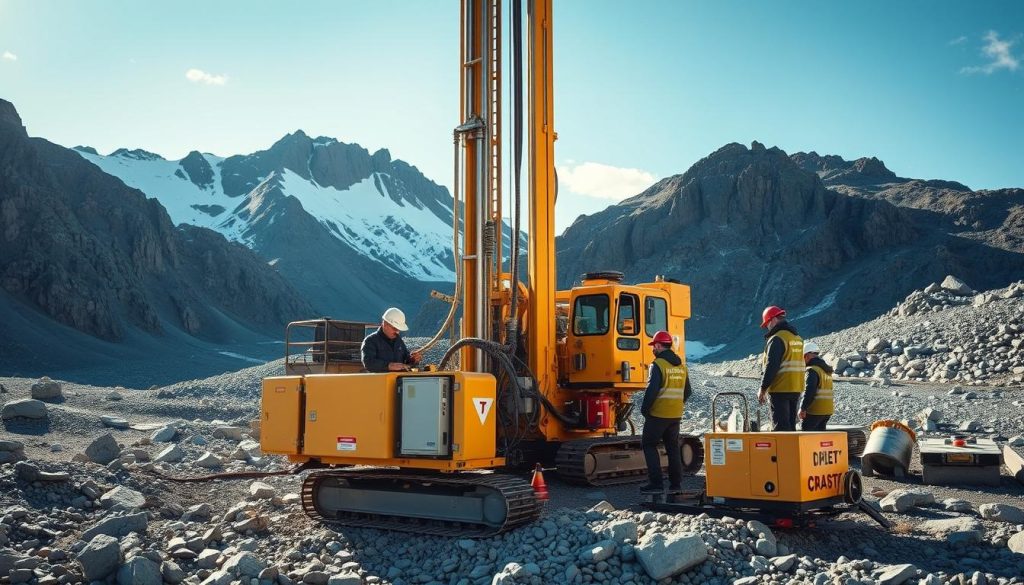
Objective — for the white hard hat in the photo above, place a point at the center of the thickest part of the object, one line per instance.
(811, 347)
(396, 318)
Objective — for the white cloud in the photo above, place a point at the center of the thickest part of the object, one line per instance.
(959, 40)
(9, 56)
(998, 51)
(200, 76)
(604, 181)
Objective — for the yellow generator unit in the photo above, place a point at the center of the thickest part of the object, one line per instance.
(790, 471)
(786, 478)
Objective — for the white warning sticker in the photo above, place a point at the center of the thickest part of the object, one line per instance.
(734, 444)
(482, 406)
(717, 451)
(346, 443)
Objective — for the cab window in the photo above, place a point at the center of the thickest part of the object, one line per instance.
(655, 315)
(590, 315)
(629, 311)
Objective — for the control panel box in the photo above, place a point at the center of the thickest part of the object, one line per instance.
(425, 414)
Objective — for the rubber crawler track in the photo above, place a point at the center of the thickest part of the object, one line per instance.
(572, 457)
(521, 504)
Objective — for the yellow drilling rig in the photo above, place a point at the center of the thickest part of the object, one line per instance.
(542, 375)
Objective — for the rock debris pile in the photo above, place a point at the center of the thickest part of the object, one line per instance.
(944, 333)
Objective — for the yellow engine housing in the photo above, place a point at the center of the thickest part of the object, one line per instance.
(796, 470)
(353, 419)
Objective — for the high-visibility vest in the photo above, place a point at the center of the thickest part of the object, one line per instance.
(824, 401)
(670, 401)
(790, 377)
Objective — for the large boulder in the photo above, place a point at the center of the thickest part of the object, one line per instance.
(24, 408)
(114, 422)
(233, 433)
(244, 564)
(209, 461)
(164, 434)
(100, 557)
(140, 571)
(665, 555)
(877, 345)
(1016, 543)
(119, 526)
(620, 531)
(262, 491)
(956, 286)
(901, 500)
(896, 574)
(122, 498)
(10, 452)
(962, 529)
(47, 389)
(103, 449)
(1002, 513)
(171, 454)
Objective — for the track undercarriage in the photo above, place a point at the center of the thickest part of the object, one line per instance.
(618, 460)
(462, 504)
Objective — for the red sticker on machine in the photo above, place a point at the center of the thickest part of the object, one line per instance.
(346, 443)
(760, 445)
(826, 443)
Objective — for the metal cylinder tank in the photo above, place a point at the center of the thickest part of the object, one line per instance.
(889, 449)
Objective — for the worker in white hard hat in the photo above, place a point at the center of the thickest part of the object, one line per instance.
(817, 404)
(384, 350)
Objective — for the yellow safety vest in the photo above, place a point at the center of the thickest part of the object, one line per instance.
(790, 377)
(824, 401)
(670, 401)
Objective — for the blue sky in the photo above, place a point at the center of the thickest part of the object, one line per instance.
(643, 90)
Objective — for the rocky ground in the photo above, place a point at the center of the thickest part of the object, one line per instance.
(943, 333)
(80, 505)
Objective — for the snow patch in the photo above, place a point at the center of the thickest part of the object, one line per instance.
(696, 350)
(400, 234)
(242, 357)
(828, 301)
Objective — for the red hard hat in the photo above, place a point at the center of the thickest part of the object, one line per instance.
(771, 313)
(661, 337)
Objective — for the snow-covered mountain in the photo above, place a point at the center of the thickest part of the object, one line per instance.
(353, 231)
(382, 209)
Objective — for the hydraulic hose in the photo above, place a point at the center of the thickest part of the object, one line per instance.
(456, 139)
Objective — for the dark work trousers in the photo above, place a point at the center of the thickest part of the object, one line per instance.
(657, 430)
(784, 406)
(815, 422)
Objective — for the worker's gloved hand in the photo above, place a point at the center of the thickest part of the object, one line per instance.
(802, 414)
(397, 367)
(762, 396)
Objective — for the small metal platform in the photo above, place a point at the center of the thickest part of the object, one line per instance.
(959, 460)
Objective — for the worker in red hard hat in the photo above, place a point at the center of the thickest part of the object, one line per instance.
(668, 387)
(783, 377)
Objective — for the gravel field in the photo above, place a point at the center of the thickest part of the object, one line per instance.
(80, 505)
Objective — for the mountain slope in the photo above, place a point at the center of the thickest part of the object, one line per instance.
(354, 231)
(751, 227)
(82, 250)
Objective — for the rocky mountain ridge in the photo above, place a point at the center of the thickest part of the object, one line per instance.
(82, 250)
(751, 227)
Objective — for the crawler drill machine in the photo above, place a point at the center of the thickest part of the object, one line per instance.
(536, 374)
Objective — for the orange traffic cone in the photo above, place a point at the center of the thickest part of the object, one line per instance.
(540, 489)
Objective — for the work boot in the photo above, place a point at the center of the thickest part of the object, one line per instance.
(651, 489)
